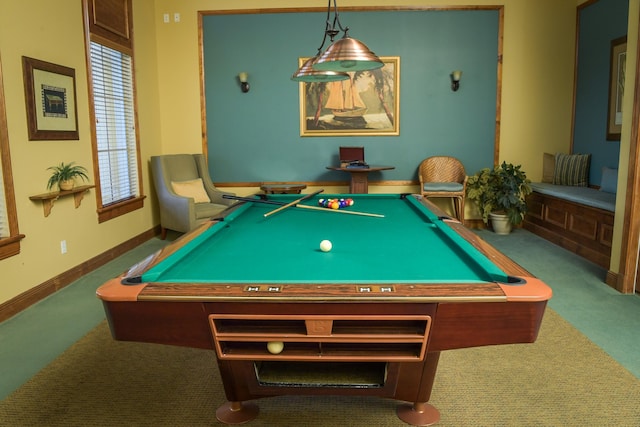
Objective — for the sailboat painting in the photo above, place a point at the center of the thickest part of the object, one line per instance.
(344, 100)
(365, 104)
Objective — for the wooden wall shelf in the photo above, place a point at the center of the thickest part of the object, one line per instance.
(48, 199)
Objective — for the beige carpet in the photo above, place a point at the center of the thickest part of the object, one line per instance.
(562, 380)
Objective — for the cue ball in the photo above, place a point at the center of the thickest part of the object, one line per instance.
(325, 246)
(275, 347)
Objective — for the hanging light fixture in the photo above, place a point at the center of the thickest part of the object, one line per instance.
(346, 54)
(306, 73)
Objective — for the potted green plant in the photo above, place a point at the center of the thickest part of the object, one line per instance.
(500, 195)
(64, 175)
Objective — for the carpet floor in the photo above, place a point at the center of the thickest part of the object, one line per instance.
(561, 380)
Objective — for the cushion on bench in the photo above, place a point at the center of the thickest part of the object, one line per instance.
(571, 169)
(583, 195)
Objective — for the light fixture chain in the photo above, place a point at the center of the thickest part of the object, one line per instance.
(336, 19)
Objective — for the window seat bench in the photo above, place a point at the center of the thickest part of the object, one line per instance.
(579, 219)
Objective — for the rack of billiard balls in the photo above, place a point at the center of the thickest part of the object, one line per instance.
(335, 203)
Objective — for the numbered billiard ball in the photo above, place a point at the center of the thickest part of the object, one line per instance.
(275, 347)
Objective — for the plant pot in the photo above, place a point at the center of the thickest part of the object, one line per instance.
(66, 185)
(500, 223)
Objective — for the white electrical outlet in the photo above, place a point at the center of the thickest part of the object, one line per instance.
(63, 246)
(165, 18)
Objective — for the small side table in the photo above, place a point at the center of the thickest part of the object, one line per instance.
(360, 177)
(282, 188)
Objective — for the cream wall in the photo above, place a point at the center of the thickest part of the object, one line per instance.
(52, 31)
(537, 84)
(536, 104)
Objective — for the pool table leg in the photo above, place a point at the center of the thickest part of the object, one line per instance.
(418, 414)
(237, 412)
(421, 413)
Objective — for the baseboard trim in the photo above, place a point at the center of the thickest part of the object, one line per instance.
(476, 224)
(15, 305)
(614, 280)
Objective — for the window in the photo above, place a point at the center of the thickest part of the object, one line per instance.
(9, 235)
(114, 124)
(114, 133)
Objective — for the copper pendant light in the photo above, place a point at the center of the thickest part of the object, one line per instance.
(348, 54)
(306, 73)
(342, 56)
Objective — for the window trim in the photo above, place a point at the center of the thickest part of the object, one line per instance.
(9, 246)
(113, 210)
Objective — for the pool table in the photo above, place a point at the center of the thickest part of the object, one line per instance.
(369, 317)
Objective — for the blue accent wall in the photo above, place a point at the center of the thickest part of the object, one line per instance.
(255, 136)
(600, 23)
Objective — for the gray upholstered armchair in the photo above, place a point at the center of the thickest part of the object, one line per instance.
(184, 200)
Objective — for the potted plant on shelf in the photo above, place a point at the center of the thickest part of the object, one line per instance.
(64, 175)
(500, 195)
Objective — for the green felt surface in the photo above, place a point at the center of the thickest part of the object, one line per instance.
(408, 245)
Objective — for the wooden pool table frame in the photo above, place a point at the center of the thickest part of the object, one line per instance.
(331, 323)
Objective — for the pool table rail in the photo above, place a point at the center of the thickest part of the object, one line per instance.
(531, 290)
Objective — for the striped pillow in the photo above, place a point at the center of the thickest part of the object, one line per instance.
(572, 169)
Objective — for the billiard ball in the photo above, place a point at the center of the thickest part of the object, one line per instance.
(325, 246)
(275, 347)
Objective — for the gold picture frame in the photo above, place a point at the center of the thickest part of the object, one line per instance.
(50, 95)
(373, 108)
(616, 87)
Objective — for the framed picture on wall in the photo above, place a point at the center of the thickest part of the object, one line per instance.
(367, 104)
(50, 95)
(616, 87)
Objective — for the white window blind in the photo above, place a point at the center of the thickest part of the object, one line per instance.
(4, 217)
(111, 72)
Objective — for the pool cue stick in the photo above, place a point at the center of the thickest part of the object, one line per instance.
(316, 208)
(249, 199)
(294, 203)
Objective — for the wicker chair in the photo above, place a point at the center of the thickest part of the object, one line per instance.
(443, 176)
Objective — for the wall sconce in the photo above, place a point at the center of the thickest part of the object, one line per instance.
(455, 80)
(244, 85)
